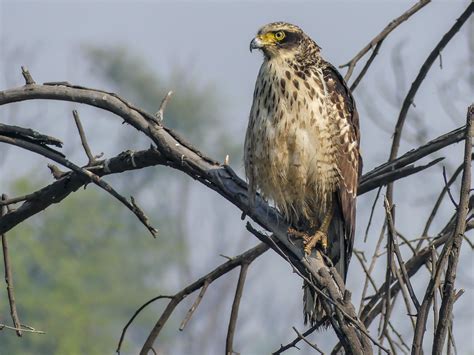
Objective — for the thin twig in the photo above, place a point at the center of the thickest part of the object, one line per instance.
(82, 135)
(302, 337)
(219, 271)
(372, 210)
(393, 238)
(229, 343)
(448, 188)
(366, 66)
(381, 36)
(27, 76)
(194, 306)
(293, 343)
(438, 203)
(160, 114)
(137, 312)
(22, 328)
(9, 277)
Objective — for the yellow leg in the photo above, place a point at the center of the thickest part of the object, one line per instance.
(319, 237)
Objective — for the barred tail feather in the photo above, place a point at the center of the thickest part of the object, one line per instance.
(313, 309)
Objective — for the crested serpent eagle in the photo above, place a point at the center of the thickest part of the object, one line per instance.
(302, 146)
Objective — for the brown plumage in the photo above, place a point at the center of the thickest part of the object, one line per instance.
(302, 144)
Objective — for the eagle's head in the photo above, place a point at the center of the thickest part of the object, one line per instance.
(281, 39)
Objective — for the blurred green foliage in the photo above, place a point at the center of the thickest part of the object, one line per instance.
(80, 270)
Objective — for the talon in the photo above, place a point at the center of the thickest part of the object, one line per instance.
(295, 233)
(311, 242)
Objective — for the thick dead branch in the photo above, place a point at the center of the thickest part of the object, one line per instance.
(60, 189)
(88, 175)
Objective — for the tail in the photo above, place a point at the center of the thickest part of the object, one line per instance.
(313, 310)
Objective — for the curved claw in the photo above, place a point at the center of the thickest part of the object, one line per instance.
(310, 241)
(317, 238)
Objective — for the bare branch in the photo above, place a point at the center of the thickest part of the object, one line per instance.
(58, 157)
(194, 306)
(229, 349)
(27, 76)
(29, 134)
(137, 312)
(381, 36)
(438, 202)
(302, 337)
(9, 277)
(22, 328)
(393, 238)
(451, 251)
(68, 183)
(160, 114)
(298, 339)
(366, 66)
(455, 243)
(82, 135)
(421, 76)
(372, 179)
(448, 189)
(222, 269)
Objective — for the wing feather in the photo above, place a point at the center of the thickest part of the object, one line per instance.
(349, 161)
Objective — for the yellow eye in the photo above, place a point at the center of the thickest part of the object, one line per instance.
(279, 35)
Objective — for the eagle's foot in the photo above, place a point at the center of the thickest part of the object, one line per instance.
(296, 233)
(310, 242)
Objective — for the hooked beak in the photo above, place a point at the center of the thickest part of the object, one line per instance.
(256, 43)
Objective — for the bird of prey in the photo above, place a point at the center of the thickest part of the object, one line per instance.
(302, 146)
